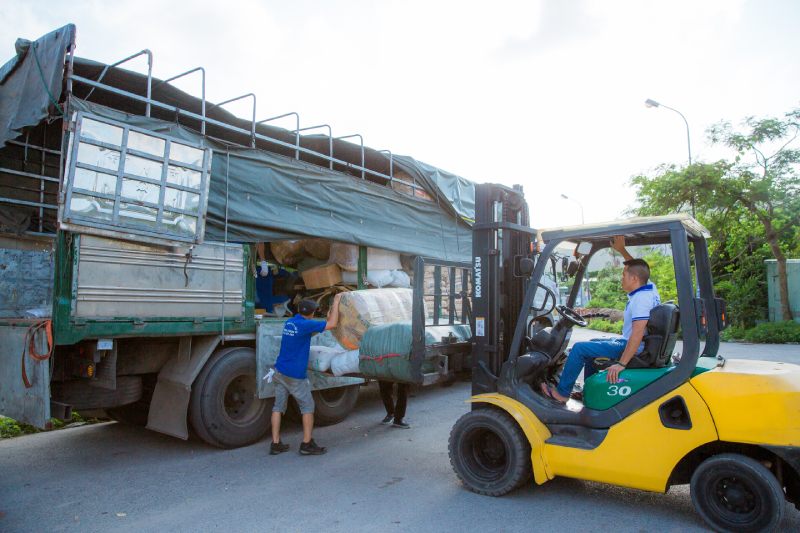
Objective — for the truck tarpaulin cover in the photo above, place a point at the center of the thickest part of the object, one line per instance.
(30, 83)
(272, 197)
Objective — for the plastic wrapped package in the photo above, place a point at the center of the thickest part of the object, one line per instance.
(358, 310)
(319, 357)
(400, 279)
(345, 363)
(346, 256)
(385, 349)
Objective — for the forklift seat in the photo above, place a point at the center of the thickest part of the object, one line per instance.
(659, 341)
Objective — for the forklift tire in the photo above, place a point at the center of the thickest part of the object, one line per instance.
(331, 406)
(733, 492)
(225, 410)
(489, 452)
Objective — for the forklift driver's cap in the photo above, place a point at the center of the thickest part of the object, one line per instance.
(307, 307)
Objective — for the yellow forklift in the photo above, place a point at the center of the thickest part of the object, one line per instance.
(730, 428)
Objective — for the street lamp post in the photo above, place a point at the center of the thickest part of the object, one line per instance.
(652, 103)
(565, 197)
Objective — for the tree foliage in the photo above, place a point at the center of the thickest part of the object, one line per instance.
(606, 287)
(749, 203)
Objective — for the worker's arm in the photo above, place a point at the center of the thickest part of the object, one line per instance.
(637, 334)
(333, 313)
(618, 243)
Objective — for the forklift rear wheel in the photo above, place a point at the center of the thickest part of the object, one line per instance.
(331, 406)
(734, 492)
(225, 410)
(489, 452)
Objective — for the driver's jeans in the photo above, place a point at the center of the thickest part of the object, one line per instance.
(580, 358)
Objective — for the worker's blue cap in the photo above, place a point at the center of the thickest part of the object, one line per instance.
(307, 307)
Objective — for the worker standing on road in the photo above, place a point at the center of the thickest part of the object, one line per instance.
(395, 411)
(290, 373)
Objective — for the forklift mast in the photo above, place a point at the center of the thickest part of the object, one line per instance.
(501, 239)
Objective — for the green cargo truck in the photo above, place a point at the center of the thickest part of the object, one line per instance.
(129, 211)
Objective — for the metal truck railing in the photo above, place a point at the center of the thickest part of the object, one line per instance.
(97, 84)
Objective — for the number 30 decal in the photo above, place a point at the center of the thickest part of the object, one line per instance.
(614, 390)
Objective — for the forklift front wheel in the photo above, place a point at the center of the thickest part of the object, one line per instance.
(489, 452)
(734, 492)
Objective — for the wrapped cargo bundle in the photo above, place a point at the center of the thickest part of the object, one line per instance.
(345, 363)
(287, 253)
(386, 349)
(359, 310)
(319, 357)
(317, 248)
(346, 256)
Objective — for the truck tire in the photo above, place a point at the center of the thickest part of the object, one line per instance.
(733, 492)
(489, 452)
(81, 395)
(225, 410)
(135, 414)
(331, 406)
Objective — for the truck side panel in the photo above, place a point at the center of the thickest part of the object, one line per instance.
(112, 288)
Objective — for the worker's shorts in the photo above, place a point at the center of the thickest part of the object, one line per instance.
(299, 388)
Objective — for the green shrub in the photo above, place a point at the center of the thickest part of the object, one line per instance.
(766, 333)
(9, 428)
(601, 324)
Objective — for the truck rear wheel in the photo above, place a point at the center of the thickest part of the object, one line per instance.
(489, 452)
(733, 492)
(331, 406)
(81, 395)
(135, 414)
(225, 410)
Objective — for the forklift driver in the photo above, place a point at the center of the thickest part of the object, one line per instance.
(642, 297)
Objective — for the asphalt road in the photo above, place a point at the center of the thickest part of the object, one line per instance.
(374, 478)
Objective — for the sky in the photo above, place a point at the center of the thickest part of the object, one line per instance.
(548, 94)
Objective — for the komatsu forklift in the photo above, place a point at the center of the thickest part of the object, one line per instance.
(730, 428)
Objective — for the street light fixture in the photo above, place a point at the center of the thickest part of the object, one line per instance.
(565, 197)
(652, 103)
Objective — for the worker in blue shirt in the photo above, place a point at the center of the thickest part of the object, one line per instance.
(642, 298)
(290, 377)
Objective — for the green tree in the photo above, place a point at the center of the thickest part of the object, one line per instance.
(606, 289)
(757, 189)
(662, 273)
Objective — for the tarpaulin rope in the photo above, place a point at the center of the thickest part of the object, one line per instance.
(29, 346)
(44, 82)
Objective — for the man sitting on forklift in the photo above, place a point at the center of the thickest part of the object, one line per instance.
(642, 297)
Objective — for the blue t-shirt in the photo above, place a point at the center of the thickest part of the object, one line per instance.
(295, 345)
(640, 302)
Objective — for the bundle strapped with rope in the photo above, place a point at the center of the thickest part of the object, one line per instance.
(29, 346)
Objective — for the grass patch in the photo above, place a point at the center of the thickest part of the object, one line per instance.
(11, 428)
(766, 333)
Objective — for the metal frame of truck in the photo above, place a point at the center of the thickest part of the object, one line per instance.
(177, 355)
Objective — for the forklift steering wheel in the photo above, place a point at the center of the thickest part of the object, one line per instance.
(571, 316)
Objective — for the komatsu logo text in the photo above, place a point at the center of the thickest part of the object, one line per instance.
(478, 277)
